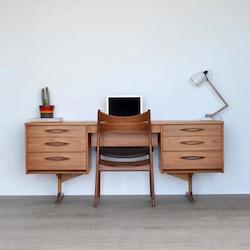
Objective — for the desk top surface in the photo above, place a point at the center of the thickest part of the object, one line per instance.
(154, 122)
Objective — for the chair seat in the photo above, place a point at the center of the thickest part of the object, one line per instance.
(129, 164)
(124, 152)
(143, 165)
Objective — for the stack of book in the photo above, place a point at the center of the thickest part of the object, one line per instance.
(46, 119)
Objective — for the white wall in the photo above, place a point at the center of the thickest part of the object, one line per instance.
(86, 50)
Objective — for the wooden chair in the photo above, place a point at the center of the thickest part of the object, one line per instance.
(141, 157)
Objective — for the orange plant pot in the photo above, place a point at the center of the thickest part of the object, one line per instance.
(47, 111)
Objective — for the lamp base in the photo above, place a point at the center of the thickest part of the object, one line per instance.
(209, 116)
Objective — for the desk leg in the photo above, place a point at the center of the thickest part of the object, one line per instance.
(189, 194)
(60, 194)
(60, 179)
(187, 177)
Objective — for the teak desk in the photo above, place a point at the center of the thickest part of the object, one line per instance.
(186, 148)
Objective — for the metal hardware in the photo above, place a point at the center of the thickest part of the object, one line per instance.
(220, 96)
(56, 131)
(56, 143)
(192, 129)
(192, 157)
(192, 143)
(57, 158)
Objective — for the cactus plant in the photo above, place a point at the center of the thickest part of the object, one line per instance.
(45, 96)
(46, 110)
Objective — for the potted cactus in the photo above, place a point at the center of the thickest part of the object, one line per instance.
(46, 110)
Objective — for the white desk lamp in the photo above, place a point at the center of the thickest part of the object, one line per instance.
(201, 77)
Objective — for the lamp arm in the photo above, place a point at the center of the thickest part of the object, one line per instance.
(220, 96)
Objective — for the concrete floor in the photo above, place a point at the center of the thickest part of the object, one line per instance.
(125, 222)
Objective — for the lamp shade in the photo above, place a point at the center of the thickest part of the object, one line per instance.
(200, 77)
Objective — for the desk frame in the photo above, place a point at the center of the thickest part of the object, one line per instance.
(158, 139)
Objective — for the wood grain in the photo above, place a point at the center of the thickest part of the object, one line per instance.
(57, 161)
(194, 143)
(194, 160)
(56, 131)
(52, 144)
(192, 130)
(123, 140)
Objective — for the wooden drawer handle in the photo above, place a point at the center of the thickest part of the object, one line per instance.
(192, 158)
(56, 131)
(192, 143)
(192, 129)
(56, 158)
(56, 143)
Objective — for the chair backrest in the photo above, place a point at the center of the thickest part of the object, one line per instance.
(108, 124)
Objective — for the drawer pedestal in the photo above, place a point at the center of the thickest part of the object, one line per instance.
(59, 149)
(189, 147)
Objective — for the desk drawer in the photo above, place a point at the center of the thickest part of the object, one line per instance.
(196, 160)
(192, 130)
(56, 131)
(57, 161)
(35, 144)
(194, 143)
(123, 140)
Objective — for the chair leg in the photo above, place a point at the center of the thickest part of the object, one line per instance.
(152, 191)
(97, 186)
(150, 182)
(99, 183)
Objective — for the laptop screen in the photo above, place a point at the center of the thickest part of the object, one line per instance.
(124, 106)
